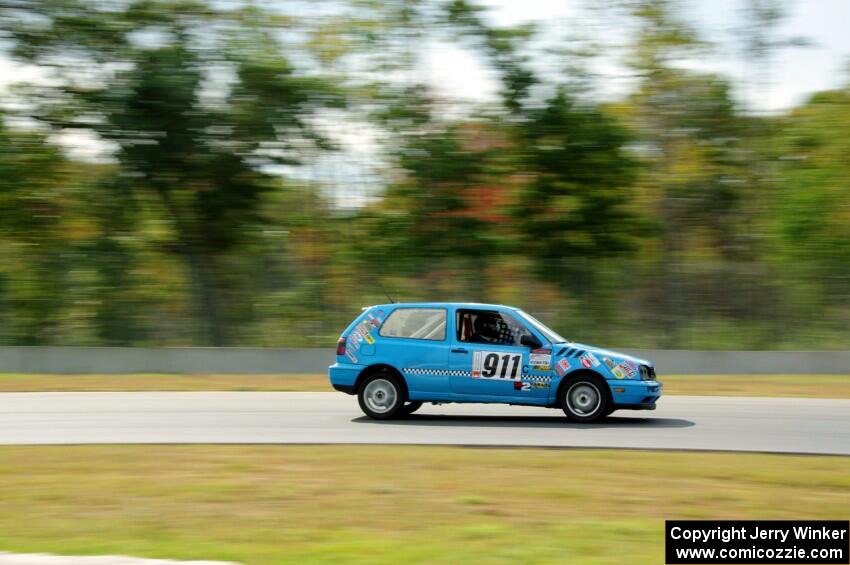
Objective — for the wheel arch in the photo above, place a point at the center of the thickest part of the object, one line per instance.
(569, 377)
(381, 368)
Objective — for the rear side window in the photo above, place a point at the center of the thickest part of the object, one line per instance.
(416, 323)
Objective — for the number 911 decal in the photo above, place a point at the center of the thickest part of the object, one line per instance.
(497, 365)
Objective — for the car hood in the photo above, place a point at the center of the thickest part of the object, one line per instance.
(605, 353)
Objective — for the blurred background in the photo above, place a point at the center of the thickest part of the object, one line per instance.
(647, 173)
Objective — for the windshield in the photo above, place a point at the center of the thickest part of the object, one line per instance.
(551, 335)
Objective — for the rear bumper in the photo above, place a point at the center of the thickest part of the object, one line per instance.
(343, 376)
(347, 389)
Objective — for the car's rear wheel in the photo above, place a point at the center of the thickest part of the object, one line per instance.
(584, 399)
(411, 407)
(380, 396)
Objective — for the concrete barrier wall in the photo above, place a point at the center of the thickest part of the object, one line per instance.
(236, 360)
(204, 360)
(693, 362)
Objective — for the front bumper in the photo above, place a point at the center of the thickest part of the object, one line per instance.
(635, 395)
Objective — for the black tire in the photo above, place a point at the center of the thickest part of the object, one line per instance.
(381, 396)
(411, 407)
(584, 399)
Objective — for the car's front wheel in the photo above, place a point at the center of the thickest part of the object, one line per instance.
(584, 400)
(380, 396)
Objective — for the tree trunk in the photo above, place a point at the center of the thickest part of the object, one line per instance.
(201, 274)
(201, 271)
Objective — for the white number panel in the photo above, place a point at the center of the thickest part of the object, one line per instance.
(497, 365)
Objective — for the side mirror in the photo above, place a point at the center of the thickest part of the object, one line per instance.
(530, 341)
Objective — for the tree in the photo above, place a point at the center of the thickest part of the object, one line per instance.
(430, 215)
(574, 203)
(695, 170)
(190, 149)
(32, 194)
(575, 207)
(809, 213)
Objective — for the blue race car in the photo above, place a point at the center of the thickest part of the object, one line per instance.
(394, 357)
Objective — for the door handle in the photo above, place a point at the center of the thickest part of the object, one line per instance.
(460, 350)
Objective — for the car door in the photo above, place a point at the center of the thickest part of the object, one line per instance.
(493, 362)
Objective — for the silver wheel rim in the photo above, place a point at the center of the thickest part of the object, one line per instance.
(583, 399)
(380, 396)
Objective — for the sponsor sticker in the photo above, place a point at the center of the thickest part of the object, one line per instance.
(540, 357)
(562, 367)
(539, 385)
(585, 361)
(629, 371)
(542, 368)
(592, 358)
(369, 339)
(608, 362)
(618, 372)
(351, 355)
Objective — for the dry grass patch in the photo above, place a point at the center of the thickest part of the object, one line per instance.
(388, 504)
(158, 382)
(801, 386)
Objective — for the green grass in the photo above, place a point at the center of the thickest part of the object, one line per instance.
(381, 504)
(813, 386)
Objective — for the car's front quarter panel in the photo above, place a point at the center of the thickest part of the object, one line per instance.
(621, 372)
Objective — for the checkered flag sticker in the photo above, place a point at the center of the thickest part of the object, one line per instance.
(530, 378)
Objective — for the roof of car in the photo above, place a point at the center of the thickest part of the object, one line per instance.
(441, 305)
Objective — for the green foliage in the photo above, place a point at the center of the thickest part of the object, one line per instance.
(200, 160)
(672, 217)
(575, 206)
(813, 205)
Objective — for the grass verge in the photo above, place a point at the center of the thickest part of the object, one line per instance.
(388, 504)
(801, 386)
(811, 386)
(153, 382)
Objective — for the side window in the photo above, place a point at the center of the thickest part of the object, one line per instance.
(416, 323)
(489, 326)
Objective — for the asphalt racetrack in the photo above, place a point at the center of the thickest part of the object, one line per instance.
(788, 425)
